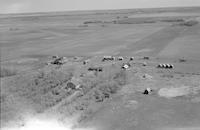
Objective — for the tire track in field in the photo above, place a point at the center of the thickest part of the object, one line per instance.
(155, 42)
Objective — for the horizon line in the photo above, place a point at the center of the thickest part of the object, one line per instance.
(59, 11)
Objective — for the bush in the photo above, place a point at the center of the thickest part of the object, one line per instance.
(109, 87)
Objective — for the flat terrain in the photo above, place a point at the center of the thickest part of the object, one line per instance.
(33, 87)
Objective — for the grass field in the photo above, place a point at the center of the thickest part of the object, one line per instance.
(33, 87)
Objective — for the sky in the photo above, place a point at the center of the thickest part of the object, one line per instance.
(24, 6)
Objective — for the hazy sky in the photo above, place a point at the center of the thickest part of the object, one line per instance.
(20, 6)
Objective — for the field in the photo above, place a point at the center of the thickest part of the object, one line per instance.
(35, 86)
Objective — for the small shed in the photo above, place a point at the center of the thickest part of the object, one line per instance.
(126, 66)
(131, 58)
(120, 58)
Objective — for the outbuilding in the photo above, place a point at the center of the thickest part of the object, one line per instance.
(97, 69)
(108, 58)
(120, 58)
(165, 66)
(147, 91)
(131, 58)
(86, 62)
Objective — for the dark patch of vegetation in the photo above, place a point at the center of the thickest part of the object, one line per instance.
(97, 22)
(5, 72)
(189, 23)
(9, 109)
(114, 21)
(150, 21)
(182, 60)
(90, 103)
(13, 29)
(84, 25)
(120, 78)
(167, 76)
(103, 25)
(91, 22)
(2, 98)
(172, 20)
(71, 85)
(109, 88)
(96, 89)
(146, 58)
(178, 21)
(136, 21)
(47, 88)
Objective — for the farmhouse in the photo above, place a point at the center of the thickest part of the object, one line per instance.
(108, 58)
